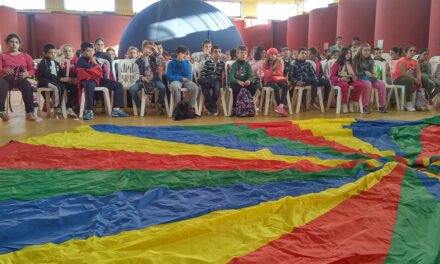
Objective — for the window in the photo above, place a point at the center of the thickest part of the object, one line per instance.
(231, 9)
(309, 5)
(276, 11)
(139, 5)
(91, 6)
(24, 4)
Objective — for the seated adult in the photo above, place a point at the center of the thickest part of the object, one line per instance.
(15, 67)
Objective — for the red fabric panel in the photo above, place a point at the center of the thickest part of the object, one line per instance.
(430, 147)
(109, 27)
(322, 27)
(351, 22)
(434, 28)
(402, 22)
(57, 29)
(44, 157)
(359, 230)
(259, 35)
(8, 24)
(239, 24)
(297, 31)
(279, 33)
(23, 31)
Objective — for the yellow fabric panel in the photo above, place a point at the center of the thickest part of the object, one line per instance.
(333, 130)
(86, 137)
(213, 238)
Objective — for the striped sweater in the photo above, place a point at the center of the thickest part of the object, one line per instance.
(213, 69)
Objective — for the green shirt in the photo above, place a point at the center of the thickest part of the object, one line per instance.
(240, 71)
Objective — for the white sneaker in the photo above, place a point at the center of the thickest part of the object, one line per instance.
(71, 113)
(344, 108)
(351, 107)
(409, 107)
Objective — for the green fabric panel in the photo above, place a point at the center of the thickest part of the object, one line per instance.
(407, 139)
(416, 237)
(34, 184)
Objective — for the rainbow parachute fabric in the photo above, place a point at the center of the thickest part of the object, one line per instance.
(312, 191)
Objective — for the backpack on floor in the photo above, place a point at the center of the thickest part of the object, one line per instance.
(245, 104)
(183, 111)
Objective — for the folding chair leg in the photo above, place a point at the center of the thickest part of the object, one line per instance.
(298, 100)
(63, 105)
(330, 98)
(47, 97)
(107, 102)
(396, 95)
(321, 104)
(268, 95)
(289, 103)
(338, 100)
(143, 103)
(83, 103)
(223, 98)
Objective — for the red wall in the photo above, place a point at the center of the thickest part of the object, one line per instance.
(239, 24)
(322, 27)
(23, 31)
(260, 35)
(297, 31)
(434, 28)
(402, 22)
(279, 33)
(356, 18)
(57, 29)
(8, 24)
(109, 27)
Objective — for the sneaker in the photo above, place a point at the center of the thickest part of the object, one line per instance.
(5, 117)
(119, 113)
(71, 113)
(366, 110)
(383, 109)
(30, 117)
(88, 115)
(351, 107)
(280, 110)
(409, 107)
(316, 106)
(344, 108)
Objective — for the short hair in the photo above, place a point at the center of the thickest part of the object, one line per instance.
(314, 50)
(242, 48)
(181, 49)
(422, 50)
(284, 46)
(48, 47)
(64, 46)
(147, 43)
(206, 41)
(355, 38)
(377, 49)
(11, 36)
(99, 39)
(86, 45)
(158, 43)
(338, 37)
(110, 49)
(301, 49)
(215, 47)
(132, 48)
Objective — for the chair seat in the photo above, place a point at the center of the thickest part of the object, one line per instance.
(47, 91)
(107, 100)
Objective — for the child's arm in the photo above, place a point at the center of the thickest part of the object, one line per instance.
(83, 63)
(249, 72)
(187, 70)
(170, 73)
(231, 74)
(43, 71)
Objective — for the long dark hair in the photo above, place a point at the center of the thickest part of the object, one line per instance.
(341, 59)
(397, 50)
(258, 53)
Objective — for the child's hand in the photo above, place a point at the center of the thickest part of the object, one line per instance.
(247, 83)
(9, 71)
(23, 74)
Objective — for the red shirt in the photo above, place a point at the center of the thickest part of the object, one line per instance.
(11, 61)
(410, 67)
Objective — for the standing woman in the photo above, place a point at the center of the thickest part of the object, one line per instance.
(363, 66)
(15, 66)
(407, 73)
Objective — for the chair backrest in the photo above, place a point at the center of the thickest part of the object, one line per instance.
(196, 69)
(128, 72)
(386, 56)
(114, 65)
(36, 61)
(435, 58)
(329, 67)
(312, 63)
(324, 67)
(392, 64)
(228, 65)
(434, 66)
(106, 64)
(416, 56)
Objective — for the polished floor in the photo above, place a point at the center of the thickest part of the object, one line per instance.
(18, 128)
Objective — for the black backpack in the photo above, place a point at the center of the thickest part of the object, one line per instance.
(183, 112)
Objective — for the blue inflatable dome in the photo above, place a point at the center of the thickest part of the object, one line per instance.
(180, 22)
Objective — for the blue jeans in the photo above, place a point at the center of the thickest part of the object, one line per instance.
(211, 100)
(138, 86)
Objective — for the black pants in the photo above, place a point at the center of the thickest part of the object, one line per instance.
(211, 100)
(26, 91)
(280, 99)
(116, 87)
(72, 95)
(327, 87)
(236, 89)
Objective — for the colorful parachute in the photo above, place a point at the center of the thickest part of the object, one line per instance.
(312, 191)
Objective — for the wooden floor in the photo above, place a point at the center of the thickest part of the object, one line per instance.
(18, 128)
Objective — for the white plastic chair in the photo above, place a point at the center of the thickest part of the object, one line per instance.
(298, 91)
(48, 90)
(107, 101)
(127, 74)
(400, 102)
(386, 56)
